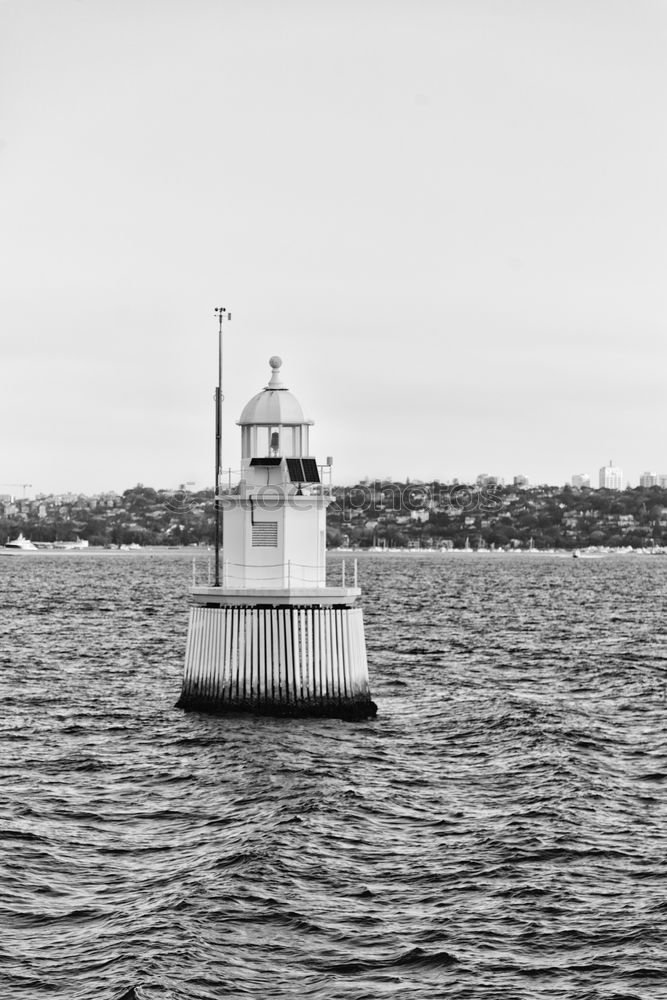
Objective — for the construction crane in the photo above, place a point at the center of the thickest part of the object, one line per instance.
(24, 486)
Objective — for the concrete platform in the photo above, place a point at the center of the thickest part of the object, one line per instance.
(314, 597)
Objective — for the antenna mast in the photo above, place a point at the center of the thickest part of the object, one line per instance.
(221, 313)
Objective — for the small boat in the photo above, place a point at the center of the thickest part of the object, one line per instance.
(80, 543)
(19, 546)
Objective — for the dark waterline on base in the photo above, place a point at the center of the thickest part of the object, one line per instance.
(498, 831)
(350, 710)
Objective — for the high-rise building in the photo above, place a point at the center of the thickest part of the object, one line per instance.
(581, 481)
(521, 481)
(648, 479)
(611, 477)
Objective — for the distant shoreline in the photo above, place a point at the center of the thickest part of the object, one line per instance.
(586, 553)
(195, 550)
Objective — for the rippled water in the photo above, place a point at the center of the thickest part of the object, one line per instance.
(498, 831)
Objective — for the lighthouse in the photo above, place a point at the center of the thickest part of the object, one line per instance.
(272, 637)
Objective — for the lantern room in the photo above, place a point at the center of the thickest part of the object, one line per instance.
(272, 423)
(275, 439)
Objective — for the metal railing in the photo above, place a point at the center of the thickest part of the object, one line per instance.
(242, 576)
(231, 479)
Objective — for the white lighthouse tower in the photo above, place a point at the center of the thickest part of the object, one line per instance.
(272, 637)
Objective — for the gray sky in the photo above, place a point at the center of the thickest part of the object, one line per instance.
(449, 217)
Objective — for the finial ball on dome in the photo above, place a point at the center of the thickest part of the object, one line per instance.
(275, 362)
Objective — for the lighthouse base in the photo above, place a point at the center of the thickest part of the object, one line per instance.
(277, 660)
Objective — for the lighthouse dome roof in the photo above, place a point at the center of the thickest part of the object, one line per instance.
(275, 404)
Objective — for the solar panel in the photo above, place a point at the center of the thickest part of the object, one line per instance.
(271, 460)
(311, 475)
(295, 470)
(303, 470)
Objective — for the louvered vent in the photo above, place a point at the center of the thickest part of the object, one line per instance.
(265, 534)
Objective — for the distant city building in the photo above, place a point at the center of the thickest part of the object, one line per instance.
(611, 477)
(581, 481)
(484, 479)
(662, 482)
(648, 479)
(521, 480)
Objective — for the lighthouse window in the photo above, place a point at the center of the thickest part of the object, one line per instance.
(265, 533)
(261, 441)
(287, 440)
